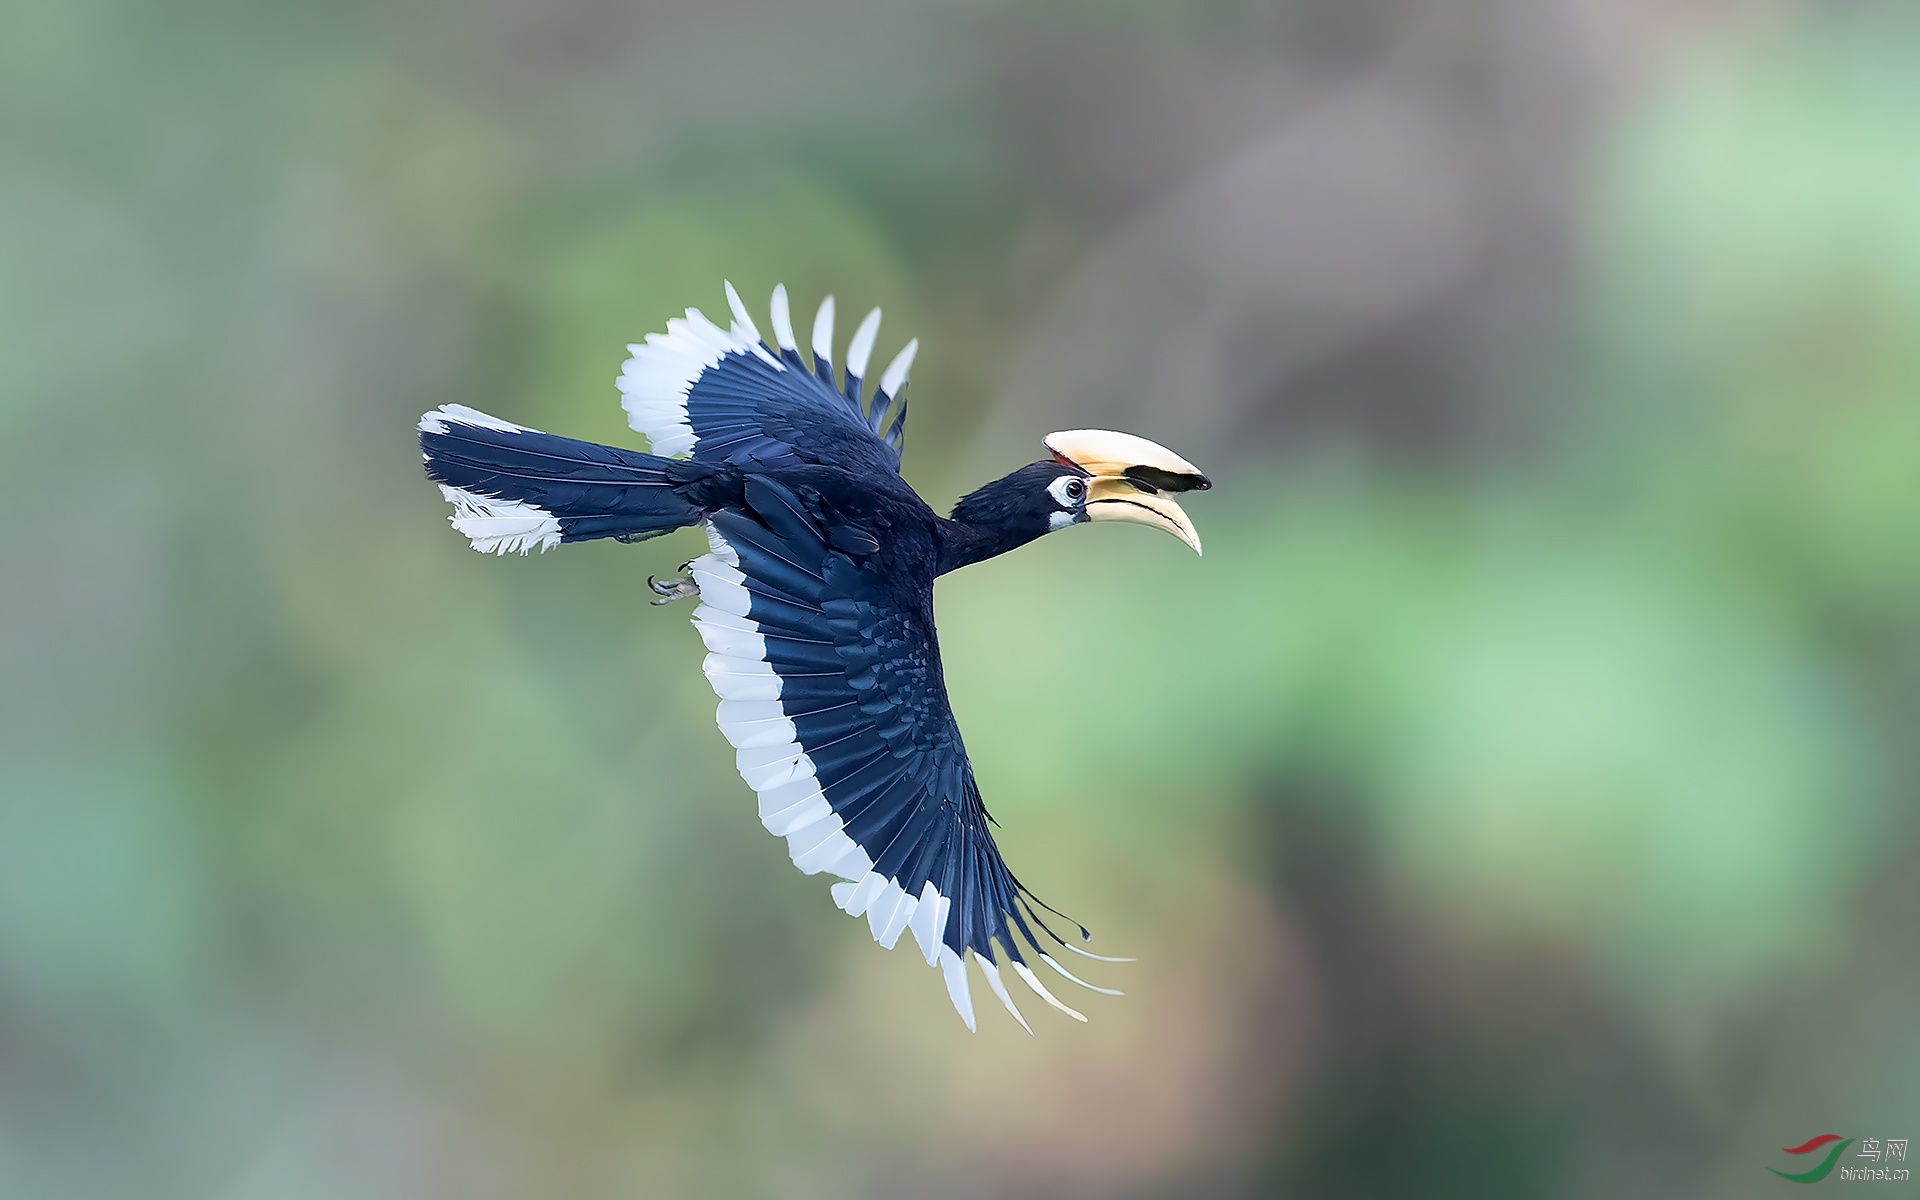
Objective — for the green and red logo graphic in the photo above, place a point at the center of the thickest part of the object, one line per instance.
(1824, 1167)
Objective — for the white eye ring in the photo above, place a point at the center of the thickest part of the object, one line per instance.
(1068, 491)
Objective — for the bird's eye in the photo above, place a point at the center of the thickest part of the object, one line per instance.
(1068, 491)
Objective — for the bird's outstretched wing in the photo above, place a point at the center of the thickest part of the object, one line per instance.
(831, 691)
(724, 395)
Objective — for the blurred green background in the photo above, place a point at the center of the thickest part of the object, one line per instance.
(1515, 801)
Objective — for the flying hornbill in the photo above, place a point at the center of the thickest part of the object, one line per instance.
(816, 600)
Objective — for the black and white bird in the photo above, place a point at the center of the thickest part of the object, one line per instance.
(816, 599)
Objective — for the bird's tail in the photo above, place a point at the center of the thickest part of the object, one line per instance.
(514, 488)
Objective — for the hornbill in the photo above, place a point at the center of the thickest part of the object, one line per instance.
(816, 598)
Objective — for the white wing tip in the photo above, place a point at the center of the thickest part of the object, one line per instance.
(743, 325)
(999, 987)
(1063, 972)
(954, 968)
(782, 319)
(860, 349)
(930, 921)
(899, 907)
(1093, 956)
(896, 374)
(823, 331)
(1040, 989)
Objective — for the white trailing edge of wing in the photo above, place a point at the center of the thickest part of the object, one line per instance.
(999, 987)
(1054, 963)
(859, 350)
(783, 325)
(823, 341)
(892, 380)
(1092, 955)
(772, 761)
(1040, 989)
(895, 376)
(929, 921)
(654, 381)
(744, 328)
(776, 767)
(658, 373)
(742, 321)
(768, 752)
(767, 747)
(955, 969)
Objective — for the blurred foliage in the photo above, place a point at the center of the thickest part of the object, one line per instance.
(601, 286)
(1524, 816)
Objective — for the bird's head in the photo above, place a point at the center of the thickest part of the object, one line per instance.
(1122, 478)
(1094, 475)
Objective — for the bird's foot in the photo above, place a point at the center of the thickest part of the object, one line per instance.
(678, 588)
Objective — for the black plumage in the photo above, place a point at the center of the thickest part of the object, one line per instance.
(817, 604)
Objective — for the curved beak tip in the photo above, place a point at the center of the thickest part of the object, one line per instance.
(1132, 479)
(1114, 499)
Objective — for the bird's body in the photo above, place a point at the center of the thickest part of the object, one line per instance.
(817, 600)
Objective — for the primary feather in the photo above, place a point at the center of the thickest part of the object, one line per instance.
(816, 606)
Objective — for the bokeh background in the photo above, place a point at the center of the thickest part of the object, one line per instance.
(1517, 800)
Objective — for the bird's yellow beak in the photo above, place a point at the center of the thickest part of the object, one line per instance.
(1130, 479)
(1110, 499)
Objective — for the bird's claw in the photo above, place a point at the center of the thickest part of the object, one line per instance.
(678, 588)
